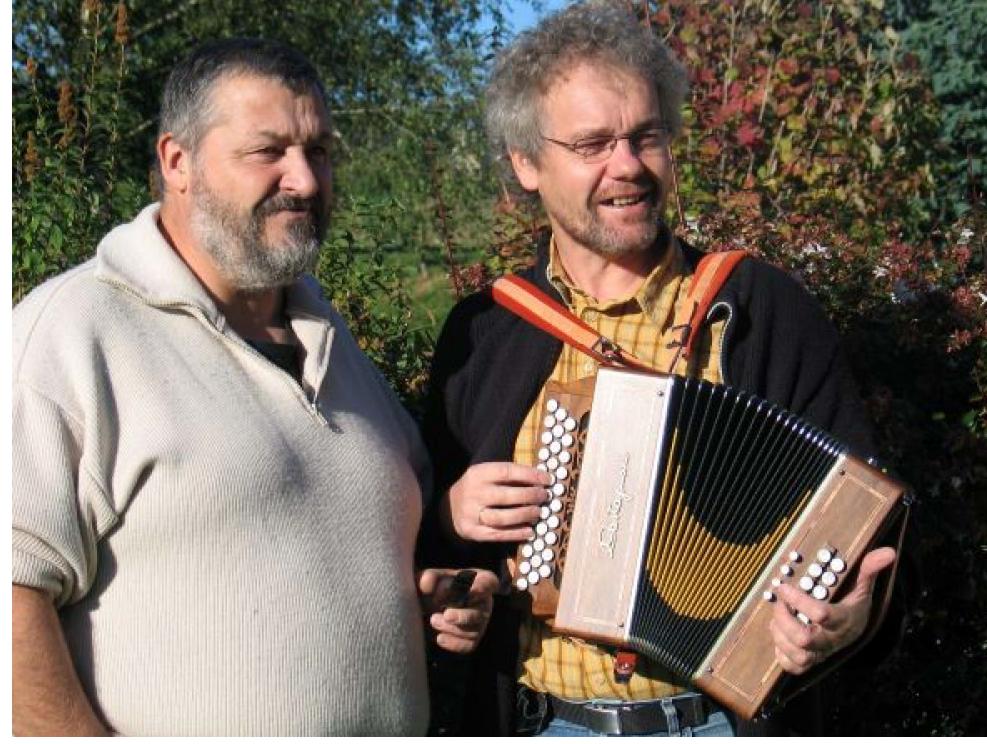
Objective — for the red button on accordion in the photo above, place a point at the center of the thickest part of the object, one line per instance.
(692, 502)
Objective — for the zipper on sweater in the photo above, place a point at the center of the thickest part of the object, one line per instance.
(312, 406)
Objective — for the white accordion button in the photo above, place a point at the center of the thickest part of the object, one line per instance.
(524, 568)
(536, 561)
(542, 467)
(803, 618)
(551, 538)
(769, 596)
(554, 447)
(552, 463)
(549, 422)
(546, 437)
(794, 556)
(561, 414)
(565, 457)
(824, 555)
(569, 424)
(522, 583)
(552, 522)
(545, 512)
(561, 473)
(544, 454)
(806, 584)
(820, 592)
(814, 570)
(526, 552)
(838, 565)
(558, 489)
(545, 570)
(552, 405)
(555, 505)
(786, 570)
(828, 578)
(548, 555)
(533, 578)
(776, 582)
(538, 544)
(558, 431)
(541, 528)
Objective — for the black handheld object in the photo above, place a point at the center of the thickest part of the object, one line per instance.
(460, 589)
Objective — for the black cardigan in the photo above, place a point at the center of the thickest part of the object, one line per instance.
(490, 366)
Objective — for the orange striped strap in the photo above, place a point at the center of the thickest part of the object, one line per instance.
(528, 302)
(711, 274)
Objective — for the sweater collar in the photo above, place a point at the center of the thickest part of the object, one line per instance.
(137, 256)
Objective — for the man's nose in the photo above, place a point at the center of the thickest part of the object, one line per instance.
(299, 177)
(625, 159)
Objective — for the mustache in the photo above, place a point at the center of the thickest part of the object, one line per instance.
(282, 202)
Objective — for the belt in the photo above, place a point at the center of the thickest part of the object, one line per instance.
(634, 718)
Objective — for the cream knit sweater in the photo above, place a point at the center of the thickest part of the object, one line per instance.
(231, 552)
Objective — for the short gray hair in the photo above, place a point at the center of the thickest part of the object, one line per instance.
(599, 30)
(187, 105)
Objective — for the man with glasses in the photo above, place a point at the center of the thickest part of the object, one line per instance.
(583, 108)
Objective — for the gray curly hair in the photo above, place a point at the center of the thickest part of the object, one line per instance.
(599, 30)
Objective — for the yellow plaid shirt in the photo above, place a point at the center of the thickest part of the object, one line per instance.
(568, 667)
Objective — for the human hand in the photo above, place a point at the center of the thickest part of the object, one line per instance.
(497, 501)
(459, 619)
(833, 626)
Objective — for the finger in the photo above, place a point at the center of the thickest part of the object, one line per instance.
(508, 496)
(455, 644)
(796, 600)
(503, 518)
(787, 631)
(459, 621)
(790, 665)
(511, 534)
(511, 473)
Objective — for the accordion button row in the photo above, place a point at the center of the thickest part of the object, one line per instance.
(555, 458)
(819, 578)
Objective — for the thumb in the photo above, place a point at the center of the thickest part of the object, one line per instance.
(871, 565)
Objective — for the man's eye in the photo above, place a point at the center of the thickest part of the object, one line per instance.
(592, 146)
(652, 138)
(318, 152)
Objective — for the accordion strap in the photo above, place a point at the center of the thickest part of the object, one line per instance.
(711, 274)
(528, 302)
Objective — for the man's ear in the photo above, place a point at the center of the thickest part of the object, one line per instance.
(526, 170)
(175, 163)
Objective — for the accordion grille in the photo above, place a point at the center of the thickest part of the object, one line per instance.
(734, 474)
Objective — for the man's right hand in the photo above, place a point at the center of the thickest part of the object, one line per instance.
(497, 501)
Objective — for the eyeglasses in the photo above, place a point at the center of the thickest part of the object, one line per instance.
(598, 149)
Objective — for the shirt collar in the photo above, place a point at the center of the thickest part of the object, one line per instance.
(646, 298)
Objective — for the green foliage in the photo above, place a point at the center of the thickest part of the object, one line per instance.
(949, 38)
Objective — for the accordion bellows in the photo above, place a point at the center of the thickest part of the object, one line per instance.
(692, 502)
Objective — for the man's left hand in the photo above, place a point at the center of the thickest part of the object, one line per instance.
(458, 629)
(799, 647)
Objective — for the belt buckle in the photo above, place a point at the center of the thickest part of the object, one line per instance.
(609, 717)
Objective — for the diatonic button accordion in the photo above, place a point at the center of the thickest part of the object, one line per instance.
(678, 507)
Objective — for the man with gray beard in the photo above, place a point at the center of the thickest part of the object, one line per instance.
(215, 493)
(583, 109)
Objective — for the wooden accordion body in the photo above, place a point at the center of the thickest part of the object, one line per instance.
(692, 502)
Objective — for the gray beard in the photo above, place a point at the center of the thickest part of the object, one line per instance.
(604, 241)
(235, 241)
